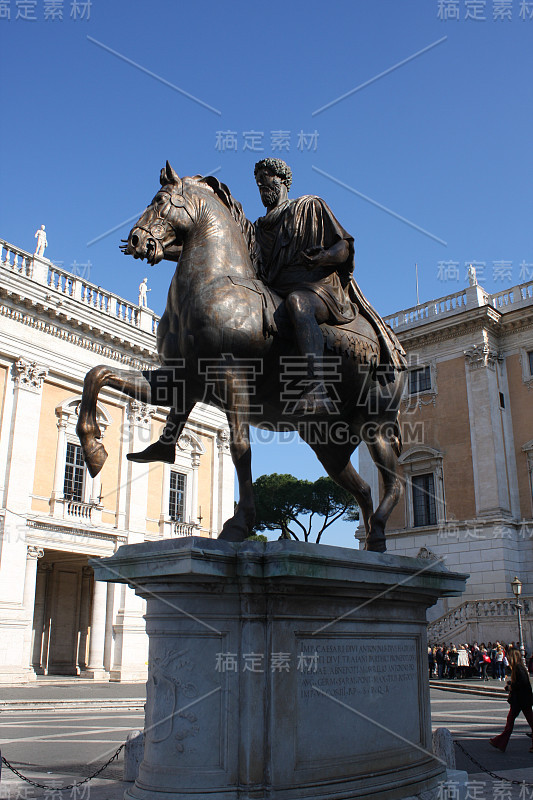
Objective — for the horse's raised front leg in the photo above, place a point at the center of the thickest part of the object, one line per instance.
(240, 525)
(133, 384)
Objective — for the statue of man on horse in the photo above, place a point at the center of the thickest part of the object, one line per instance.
(265, 293)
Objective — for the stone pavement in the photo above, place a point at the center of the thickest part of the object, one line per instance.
(481, 786)
(12, 788)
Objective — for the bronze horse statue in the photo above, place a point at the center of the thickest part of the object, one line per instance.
(224, 339)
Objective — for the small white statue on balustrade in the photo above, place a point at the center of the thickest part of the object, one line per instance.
(42, 241)
(472, 277)
(143, 290)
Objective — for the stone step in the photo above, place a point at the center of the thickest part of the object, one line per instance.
(89, 704)
(469, 688)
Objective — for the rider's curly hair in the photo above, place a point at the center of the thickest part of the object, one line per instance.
(278, 167)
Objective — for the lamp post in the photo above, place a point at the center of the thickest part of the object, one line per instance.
(516, 585)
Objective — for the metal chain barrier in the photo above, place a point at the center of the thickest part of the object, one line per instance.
(487, 771)
(70, 786)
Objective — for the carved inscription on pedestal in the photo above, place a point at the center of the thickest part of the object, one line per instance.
(358, 689)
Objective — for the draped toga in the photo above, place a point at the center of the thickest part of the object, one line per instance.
(299, 225)
(287, 231)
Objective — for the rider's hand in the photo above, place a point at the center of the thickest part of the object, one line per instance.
(313, 257)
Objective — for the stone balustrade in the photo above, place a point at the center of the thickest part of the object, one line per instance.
(184, 529)
(471, 611)
(75, 509)
(77, 288)
(15, 259)
(423, 312)
(470, 297)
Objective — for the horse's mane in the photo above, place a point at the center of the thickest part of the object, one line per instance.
(222, 192)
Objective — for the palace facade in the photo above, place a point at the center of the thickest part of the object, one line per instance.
(54, 618)
(467, 460)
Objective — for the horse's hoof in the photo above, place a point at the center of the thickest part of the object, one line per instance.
(235, 530)
(95, 458)
(376, 545)
(158, 451)
(232, 535)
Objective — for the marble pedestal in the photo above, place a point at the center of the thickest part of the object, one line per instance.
(283, 670)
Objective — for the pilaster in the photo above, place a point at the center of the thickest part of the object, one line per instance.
(95, 667)
(30, 578)
(486, 431)
(225, 478)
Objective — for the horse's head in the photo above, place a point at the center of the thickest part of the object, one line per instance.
(164, 223)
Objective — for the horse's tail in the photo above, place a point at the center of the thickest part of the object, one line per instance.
(396, 438)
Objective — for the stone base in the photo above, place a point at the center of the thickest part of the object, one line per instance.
(283, 670)
(95, 674)
(15, 675)
(128, 676)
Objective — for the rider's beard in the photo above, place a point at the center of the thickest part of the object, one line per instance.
(269, 197)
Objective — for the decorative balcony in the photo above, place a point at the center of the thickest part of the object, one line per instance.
(75, 510)
(185, 529)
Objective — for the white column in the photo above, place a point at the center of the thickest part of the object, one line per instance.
(27, 378)
(226, 478)
(59, 470)
(140, 418)
(30, 579)
(19, 474)
(195, 463)
(130, 651)
(486, 432)
(95, 667)
(165, 526)
(5, 435)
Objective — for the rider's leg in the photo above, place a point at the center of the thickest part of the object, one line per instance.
(307, 310)
(164, 449)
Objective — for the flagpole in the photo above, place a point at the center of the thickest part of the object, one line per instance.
(417, 298)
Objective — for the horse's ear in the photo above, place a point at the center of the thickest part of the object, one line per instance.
(163, 177)
(171, 174)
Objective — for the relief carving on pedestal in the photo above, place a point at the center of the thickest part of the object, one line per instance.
(168, 688)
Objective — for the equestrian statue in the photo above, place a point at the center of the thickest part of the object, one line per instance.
(266, 322)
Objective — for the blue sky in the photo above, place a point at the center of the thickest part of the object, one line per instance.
(443, 140)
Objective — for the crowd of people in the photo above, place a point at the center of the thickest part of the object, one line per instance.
(481, 661)
(494, 661)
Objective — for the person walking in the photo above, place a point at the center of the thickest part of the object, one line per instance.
(484, 661)
(520, 699)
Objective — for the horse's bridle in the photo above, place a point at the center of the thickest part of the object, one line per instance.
(156, 230)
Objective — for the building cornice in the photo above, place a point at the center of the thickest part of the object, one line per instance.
(441, 330)
(103, 348)
(115, 323)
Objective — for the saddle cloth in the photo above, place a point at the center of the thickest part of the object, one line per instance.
(356, 339)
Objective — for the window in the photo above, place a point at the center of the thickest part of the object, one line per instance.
(176, 498)
(424, 507)
(419, 380)
(530, 359)
(73, 483)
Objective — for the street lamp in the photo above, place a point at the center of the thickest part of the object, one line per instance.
(516, 585)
